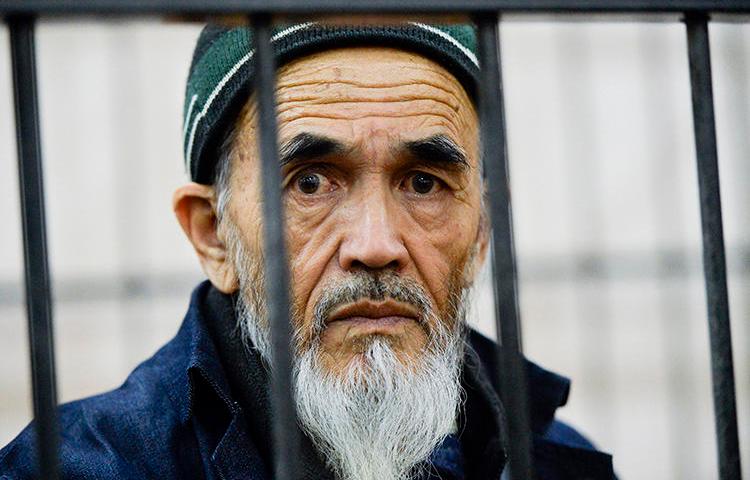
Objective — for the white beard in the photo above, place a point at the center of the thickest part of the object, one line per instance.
(382, 419)
(383, 416)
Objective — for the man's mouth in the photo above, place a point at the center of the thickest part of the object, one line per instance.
(374, 315)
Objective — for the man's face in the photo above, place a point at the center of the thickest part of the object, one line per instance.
(380, 177)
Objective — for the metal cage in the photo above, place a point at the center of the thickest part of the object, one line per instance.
(21, 15)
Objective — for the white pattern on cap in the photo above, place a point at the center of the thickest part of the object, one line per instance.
(228, 76)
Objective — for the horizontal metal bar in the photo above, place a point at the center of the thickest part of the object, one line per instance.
(714, 262)
(38, 295)
(207, 7)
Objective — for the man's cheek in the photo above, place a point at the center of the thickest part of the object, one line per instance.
(308, 281)
(434, 269)
(442, 253)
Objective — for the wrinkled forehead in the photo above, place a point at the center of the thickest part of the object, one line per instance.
(368, 94)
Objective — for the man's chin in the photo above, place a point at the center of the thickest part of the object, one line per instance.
(343, 342)
(363, 352)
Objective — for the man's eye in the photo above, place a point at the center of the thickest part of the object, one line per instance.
(423, 183)
(309, 183)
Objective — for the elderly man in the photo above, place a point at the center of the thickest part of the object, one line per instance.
(386, 229)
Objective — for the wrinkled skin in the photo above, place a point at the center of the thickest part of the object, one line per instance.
(370, 204)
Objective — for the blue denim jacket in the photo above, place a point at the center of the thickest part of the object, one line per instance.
(177, 417)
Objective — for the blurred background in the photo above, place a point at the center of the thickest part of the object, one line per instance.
(605, 207)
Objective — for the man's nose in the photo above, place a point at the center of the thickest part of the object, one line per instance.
(373, 239)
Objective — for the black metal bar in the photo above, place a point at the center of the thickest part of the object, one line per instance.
(495, 156)
(106, 7)
(714, 262)
(286, 434)
(38, 296)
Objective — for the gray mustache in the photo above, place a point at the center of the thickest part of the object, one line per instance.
(366, 285)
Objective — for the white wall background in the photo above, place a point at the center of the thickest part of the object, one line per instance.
(606, 212)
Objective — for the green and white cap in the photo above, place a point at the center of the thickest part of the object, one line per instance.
(222, 70)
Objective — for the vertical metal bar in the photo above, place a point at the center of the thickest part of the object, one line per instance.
(285, 431)
(495, 155)
(38, 298)
(714, 262)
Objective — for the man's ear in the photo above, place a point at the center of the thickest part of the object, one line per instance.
(194, 207)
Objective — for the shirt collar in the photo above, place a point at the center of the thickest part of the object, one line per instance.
(548, 391)
(203, 369)
(447, 460)
(212, 405)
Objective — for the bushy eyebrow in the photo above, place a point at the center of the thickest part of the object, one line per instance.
(306, 146)
(439, 150)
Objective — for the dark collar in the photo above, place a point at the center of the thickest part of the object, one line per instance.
(481, 438)
(249, 384)
(229, 398)
(548, 391)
